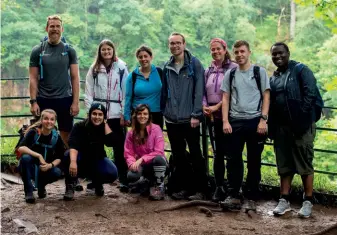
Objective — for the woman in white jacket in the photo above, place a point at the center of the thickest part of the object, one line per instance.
(105, 83)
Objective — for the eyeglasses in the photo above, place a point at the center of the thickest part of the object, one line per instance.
(172, 44)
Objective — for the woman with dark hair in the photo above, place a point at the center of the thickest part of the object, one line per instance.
(212, 103)
(105, 84)
(143, 86)
(86, 156)
(144, 154)
(40, 153)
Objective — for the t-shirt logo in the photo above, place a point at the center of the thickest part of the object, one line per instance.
(99, 107)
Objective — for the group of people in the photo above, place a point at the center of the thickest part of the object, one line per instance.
(237, 100)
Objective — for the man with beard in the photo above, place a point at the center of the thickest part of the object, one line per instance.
(54, 78)
(292, 125)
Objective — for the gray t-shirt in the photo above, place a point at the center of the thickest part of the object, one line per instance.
(245, 95)
(56, 82)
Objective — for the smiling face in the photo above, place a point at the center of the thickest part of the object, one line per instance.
(48, 121)
(241, 54)
(144, 59)
(97, 117)
(218, 51)
(143, 116)
(280, 56)
(176, 45)
(54, 30)
(106, 52)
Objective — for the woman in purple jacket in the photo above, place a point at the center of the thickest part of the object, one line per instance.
(212, 103)
(144, 154)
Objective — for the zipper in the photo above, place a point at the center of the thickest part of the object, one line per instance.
(286, 94)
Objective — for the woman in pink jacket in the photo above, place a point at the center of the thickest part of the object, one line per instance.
(212, 103)
(144, 154)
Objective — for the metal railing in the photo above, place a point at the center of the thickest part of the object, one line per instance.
(204, 136)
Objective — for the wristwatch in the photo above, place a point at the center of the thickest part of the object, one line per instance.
(32, 101)
(264, 117)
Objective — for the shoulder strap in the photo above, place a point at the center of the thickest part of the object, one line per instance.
(160, 72)
(231, 77)
(191, 67)
(54, 138)
(133, 78)
(121, 74)
(257, 78)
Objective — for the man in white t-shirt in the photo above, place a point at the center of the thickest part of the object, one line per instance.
(245, 106)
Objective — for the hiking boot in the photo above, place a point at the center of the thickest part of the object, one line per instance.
(231, 203)
(99, 190)
(180, 195)
(69, 194)
(141, 186)
(157, 193)
(42, 193)
(78, 186)
(197, 196)
(29, 197)
(250, 205)
(282, 207)
(305, 211)
(123, 188)
(219, 194)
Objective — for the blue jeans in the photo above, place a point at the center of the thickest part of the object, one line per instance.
(27, 167)
(101, 171)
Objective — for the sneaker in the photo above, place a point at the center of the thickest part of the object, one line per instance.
(219, 194)
(231, 203)
(157, 193)
(197, 196)
(90, 186)
(282, 207)
(250, 205)
(69, 194)
(78, 186)
(99, 190)
(305, 211)
(141, 186)
(123, 188)
(29, 197)
(180, 195)
(42, 193)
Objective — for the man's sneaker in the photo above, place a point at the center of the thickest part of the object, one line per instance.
(231, 203)
(219, 194)
(157, 193)
(197, 196)
(180, 195)
(305, 211)
(99, 190)
(29, 197)
(250, 205)
(42, 193)
(90, 186)
(69, 194)
(282, 207)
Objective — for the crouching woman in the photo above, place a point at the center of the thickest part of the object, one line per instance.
(144, 153)
(87, 157)
(40, 153)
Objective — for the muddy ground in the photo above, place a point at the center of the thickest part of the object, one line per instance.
(118, 213)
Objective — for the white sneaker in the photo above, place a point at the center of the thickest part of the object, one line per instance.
(305, 211)
(282, 207)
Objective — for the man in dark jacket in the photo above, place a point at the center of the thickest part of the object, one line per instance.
(292, 125)
(182, 94)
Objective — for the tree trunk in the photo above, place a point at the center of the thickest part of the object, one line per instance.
(292, 19)
(279, 23)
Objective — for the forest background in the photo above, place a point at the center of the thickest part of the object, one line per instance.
(309, 27)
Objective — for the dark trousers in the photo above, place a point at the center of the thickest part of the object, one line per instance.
(157, 118)
(101, 171)
(219, 144)
(118, 150)
(155, 171)
(179, 135)
(245, 131)
(27, 167)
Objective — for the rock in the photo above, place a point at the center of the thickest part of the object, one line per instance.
(11, 178)
(5, 210)
(28, 226)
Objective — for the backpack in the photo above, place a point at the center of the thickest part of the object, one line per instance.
(37, 135)
(257, 78)
(319, 104)
(42, 49)
(134, 78)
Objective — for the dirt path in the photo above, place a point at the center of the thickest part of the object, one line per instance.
(118, 213)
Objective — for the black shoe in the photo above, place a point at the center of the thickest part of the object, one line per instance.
(42, 193)
(78, 186)
(219, 194)
(69, 194)
(197, 196)
(142, 186)
(90, 186)
(99, 190)
(123, 188)
(180, 195)
(29, 197)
